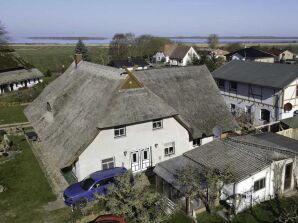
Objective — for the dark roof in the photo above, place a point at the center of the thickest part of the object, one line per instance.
(10, 61)
(179, 52)
(291, 122)
(245, 155)
(263, 74)
(129, 63)
(86, 98)
(276, 51)
(250, 53)
(286, 142)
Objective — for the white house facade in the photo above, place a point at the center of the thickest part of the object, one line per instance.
(251, 54)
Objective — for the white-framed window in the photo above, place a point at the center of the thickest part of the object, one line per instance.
(120, 131)
(221, 84)
(169, 149)
(233, 86)
(259, 184)
(108, 163)
(196, 142)
(157, 124)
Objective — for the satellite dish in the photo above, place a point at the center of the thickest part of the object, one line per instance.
(288, 107)
(217, 131)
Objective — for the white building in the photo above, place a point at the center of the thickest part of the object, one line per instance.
(94, 117)
(176, 55)
(264, 92)
(262, 165)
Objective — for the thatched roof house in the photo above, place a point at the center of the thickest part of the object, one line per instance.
(89, 98)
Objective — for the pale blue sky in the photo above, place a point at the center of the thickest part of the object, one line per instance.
(157, 17)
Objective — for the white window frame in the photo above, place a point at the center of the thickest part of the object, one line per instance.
(154, 122)
(169, 149)
(117, 131)
(110, 162)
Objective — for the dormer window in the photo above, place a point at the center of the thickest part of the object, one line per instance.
(49, 108)
(157, 124)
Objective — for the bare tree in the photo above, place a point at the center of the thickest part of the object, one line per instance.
(213, 40)
(206, 184)
(3, 38)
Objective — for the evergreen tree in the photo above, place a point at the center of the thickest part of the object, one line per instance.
(82, 49)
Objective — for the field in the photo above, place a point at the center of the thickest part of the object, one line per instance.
(12, 114)
(57, 58)
(27, 190)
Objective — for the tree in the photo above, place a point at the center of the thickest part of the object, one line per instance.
(82, 49)
(205, 184)
(212, 62)
(3, 38)
(232, 47)
(213, 41)
(122, 46)
(133, 198)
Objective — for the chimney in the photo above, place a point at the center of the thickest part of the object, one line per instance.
(77, 58)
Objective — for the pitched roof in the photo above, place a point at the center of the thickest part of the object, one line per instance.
(129, 63)
(245, 155)
(86, 99)
(10, 61)
(263, 74)
(179, 52)
(250, 53)
(283, 141)
(291, 122)
(167, 49)
(192, 92)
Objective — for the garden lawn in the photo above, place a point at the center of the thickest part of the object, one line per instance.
(12, 114)
(27, 190)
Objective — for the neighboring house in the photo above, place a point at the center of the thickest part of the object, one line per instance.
(264, 92)
(130, 64)
(176, 55)
(281, 55)
(251, 54)
(289, 127)
(211, 52)
(16, 73)
(95, 117)
(260, 166)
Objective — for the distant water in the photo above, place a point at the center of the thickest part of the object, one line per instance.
(185, 40)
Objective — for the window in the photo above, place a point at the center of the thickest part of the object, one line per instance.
(259, 184)
(107, 163)
(297, 91)
(196, 142)
(157, 124)
(233, 86)
(247, 110)
(265, 115)
(120, 131)
(169, 149)
(232, 107)
(221, 84)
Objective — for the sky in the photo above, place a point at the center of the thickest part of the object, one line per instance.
(156, 17)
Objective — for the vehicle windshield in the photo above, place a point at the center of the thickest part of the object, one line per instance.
(87, 183)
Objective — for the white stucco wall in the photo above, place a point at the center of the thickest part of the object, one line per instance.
(21, 84)
(138, 137)
(290, 97)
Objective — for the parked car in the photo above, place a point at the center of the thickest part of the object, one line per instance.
(78, 194)
(109, 219)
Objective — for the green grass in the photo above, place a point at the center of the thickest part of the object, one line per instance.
(57, 57)
(179, 217)
(27, 190)
(12, 114)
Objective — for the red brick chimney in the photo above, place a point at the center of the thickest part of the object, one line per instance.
(77, 58)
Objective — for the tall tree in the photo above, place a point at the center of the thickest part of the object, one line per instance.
(122, 46)
(3, 38)
(213, 41)
(82, 49)
(133, 198)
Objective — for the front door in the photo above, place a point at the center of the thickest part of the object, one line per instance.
(288, 176)
(135, 165)
(145, 162)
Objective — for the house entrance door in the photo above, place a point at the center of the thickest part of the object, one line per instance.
(145, 158)
(288, 176)
(135, 165)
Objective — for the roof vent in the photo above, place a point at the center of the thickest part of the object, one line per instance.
(49, 108)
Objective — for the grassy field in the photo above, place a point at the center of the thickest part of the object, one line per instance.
(12, 114)
(57, 57)
(27, 190)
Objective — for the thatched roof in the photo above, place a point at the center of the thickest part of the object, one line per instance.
(86, 99)
(13, 76)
